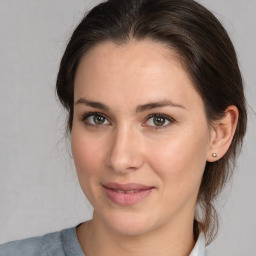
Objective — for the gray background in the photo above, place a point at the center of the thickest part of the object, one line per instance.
(39, 191)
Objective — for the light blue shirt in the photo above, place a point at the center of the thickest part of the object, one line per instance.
(64, 243)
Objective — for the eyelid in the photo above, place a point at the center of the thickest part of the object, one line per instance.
(167, 117)
(153, 115)
(90, 114)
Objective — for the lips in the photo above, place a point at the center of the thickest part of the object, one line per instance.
(126, 194)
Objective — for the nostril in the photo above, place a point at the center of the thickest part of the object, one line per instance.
(125, 154)
(123, 161)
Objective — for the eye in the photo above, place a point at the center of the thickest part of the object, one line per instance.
(95, 119)
(159, 120)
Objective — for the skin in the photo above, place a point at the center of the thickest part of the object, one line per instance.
(128, 147)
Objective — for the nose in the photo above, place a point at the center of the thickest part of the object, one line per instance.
(125, 153)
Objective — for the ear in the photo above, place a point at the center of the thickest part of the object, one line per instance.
(222, 133)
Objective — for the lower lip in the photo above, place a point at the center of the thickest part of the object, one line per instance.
(126, 199)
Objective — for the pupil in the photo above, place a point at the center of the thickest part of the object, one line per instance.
(159, 121)
(98, 119)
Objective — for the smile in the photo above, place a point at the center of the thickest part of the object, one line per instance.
(127, 191)
(126, 194)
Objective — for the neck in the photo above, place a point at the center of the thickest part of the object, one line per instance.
(172, 239)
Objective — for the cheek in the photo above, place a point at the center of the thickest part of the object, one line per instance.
(180, 162)
(88, 153)
(88, 156)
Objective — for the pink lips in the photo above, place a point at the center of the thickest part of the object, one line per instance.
(126, 194)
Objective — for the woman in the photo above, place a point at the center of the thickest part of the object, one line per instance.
(156, 113)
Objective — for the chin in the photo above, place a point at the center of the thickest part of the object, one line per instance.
(129, 224)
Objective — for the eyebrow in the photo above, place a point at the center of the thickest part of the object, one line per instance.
(93, 104)
(139, 108)
(158, 104)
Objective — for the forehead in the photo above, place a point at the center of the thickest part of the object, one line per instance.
(137, 71)
(146, 54)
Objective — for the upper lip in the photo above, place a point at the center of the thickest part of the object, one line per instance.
(126, 187)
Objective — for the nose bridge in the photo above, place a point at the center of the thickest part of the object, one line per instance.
(125, 152)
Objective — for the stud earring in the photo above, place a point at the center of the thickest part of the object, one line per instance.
(214, 155)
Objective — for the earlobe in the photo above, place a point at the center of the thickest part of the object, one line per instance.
(222, 134)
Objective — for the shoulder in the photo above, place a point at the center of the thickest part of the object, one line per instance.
(47, 245)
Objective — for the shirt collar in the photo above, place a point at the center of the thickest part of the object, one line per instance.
(199, 249)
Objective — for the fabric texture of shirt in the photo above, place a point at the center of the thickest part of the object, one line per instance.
(64, 243)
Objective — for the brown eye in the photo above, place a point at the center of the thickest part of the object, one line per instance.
(159, 121)
(95, 119)
(98, 119)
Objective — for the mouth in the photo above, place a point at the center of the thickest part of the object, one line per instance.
(126, 194)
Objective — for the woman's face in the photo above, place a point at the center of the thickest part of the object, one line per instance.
(140, 137)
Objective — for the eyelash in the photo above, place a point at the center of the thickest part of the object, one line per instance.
(160, 115)
(155, 115)
(91, 114)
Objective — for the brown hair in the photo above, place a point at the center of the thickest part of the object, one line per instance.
(208, 56)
